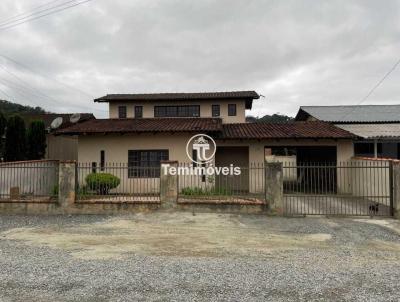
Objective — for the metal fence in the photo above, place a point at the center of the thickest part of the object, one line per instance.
(117, 182)
(344, 188)
(203, 184)
(29, 180)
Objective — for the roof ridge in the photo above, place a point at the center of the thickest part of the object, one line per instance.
(326, 106)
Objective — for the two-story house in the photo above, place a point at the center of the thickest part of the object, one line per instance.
(143, 129)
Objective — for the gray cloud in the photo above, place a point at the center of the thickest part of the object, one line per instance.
(293, 52)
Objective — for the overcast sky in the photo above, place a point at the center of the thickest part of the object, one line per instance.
(292, 52)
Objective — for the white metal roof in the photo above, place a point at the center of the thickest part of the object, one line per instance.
(372, 131)
(353, 114)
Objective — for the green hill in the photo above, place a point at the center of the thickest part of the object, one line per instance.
(275, 118)
(9, 108)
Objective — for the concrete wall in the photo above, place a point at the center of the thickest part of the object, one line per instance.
(61, 147)
(33, 178)
(370, 178)
(205, 109)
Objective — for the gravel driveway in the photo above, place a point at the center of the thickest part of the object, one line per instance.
(202, 257)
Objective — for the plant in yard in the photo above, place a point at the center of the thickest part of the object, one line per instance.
(55, 190)
(196, 191)
(102, 183)
(36, 140)
(192, 191)
(15, 148)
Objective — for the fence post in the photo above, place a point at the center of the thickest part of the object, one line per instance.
(396, 189)
(274, 187)
(168, 184)
(66, 183)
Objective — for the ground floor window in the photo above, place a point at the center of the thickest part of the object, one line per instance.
(383, 149)
(303, 154)
(145, 163)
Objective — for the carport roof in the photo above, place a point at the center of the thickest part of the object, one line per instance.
(284, 131)
(373, 131)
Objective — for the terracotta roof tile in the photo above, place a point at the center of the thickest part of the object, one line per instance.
(179, 96)
(248, 96)
(283, 130)
(223, 131)
(144, 125)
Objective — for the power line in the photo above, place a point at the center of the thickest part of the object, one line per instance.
(29, 90)
(36, 8)
(380, 82)
(25, 83)
(45, 76)
(6, 94)
(41, 16)
(374, 88)
(22, 93)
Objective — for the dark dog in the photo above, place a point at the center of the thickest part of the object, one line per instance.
(373, 208)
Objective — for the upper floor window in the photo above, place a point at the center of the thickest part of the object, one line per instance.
(231, 109)
(177, 111)
(121, 111)
(138, 111)
(215, 110)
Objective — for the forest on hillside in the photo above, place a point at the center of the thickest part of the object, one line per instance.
(9, 109)
(274, 118)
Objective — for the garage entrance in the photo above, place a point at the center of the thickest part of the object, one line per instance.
(239, 157)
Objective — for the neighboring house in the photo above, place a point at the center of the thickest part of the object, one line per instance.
(376, 126)
(143, 129)
(59, 147)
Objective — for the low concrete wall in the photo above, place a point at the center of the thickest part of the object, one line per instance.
(88, 209)
(222, 208)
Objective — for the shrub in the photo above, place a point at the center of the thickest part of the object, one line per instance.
(191, 191)
(102, 183)
(55, 190)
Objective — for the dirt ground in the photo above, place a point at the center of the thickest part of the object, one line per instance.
(175, 234)
(271, 244)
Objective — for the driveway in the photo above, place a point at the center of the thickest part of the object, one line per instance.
(198, 257)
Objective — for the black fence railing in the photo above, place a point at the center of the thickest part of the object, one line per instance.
(229, 184)
(117, 182)
(343, 188)
(29, 180)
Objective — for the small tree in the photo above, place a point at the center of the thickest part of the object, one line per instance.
(15, 148)
(102, 183)
(36, 140)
